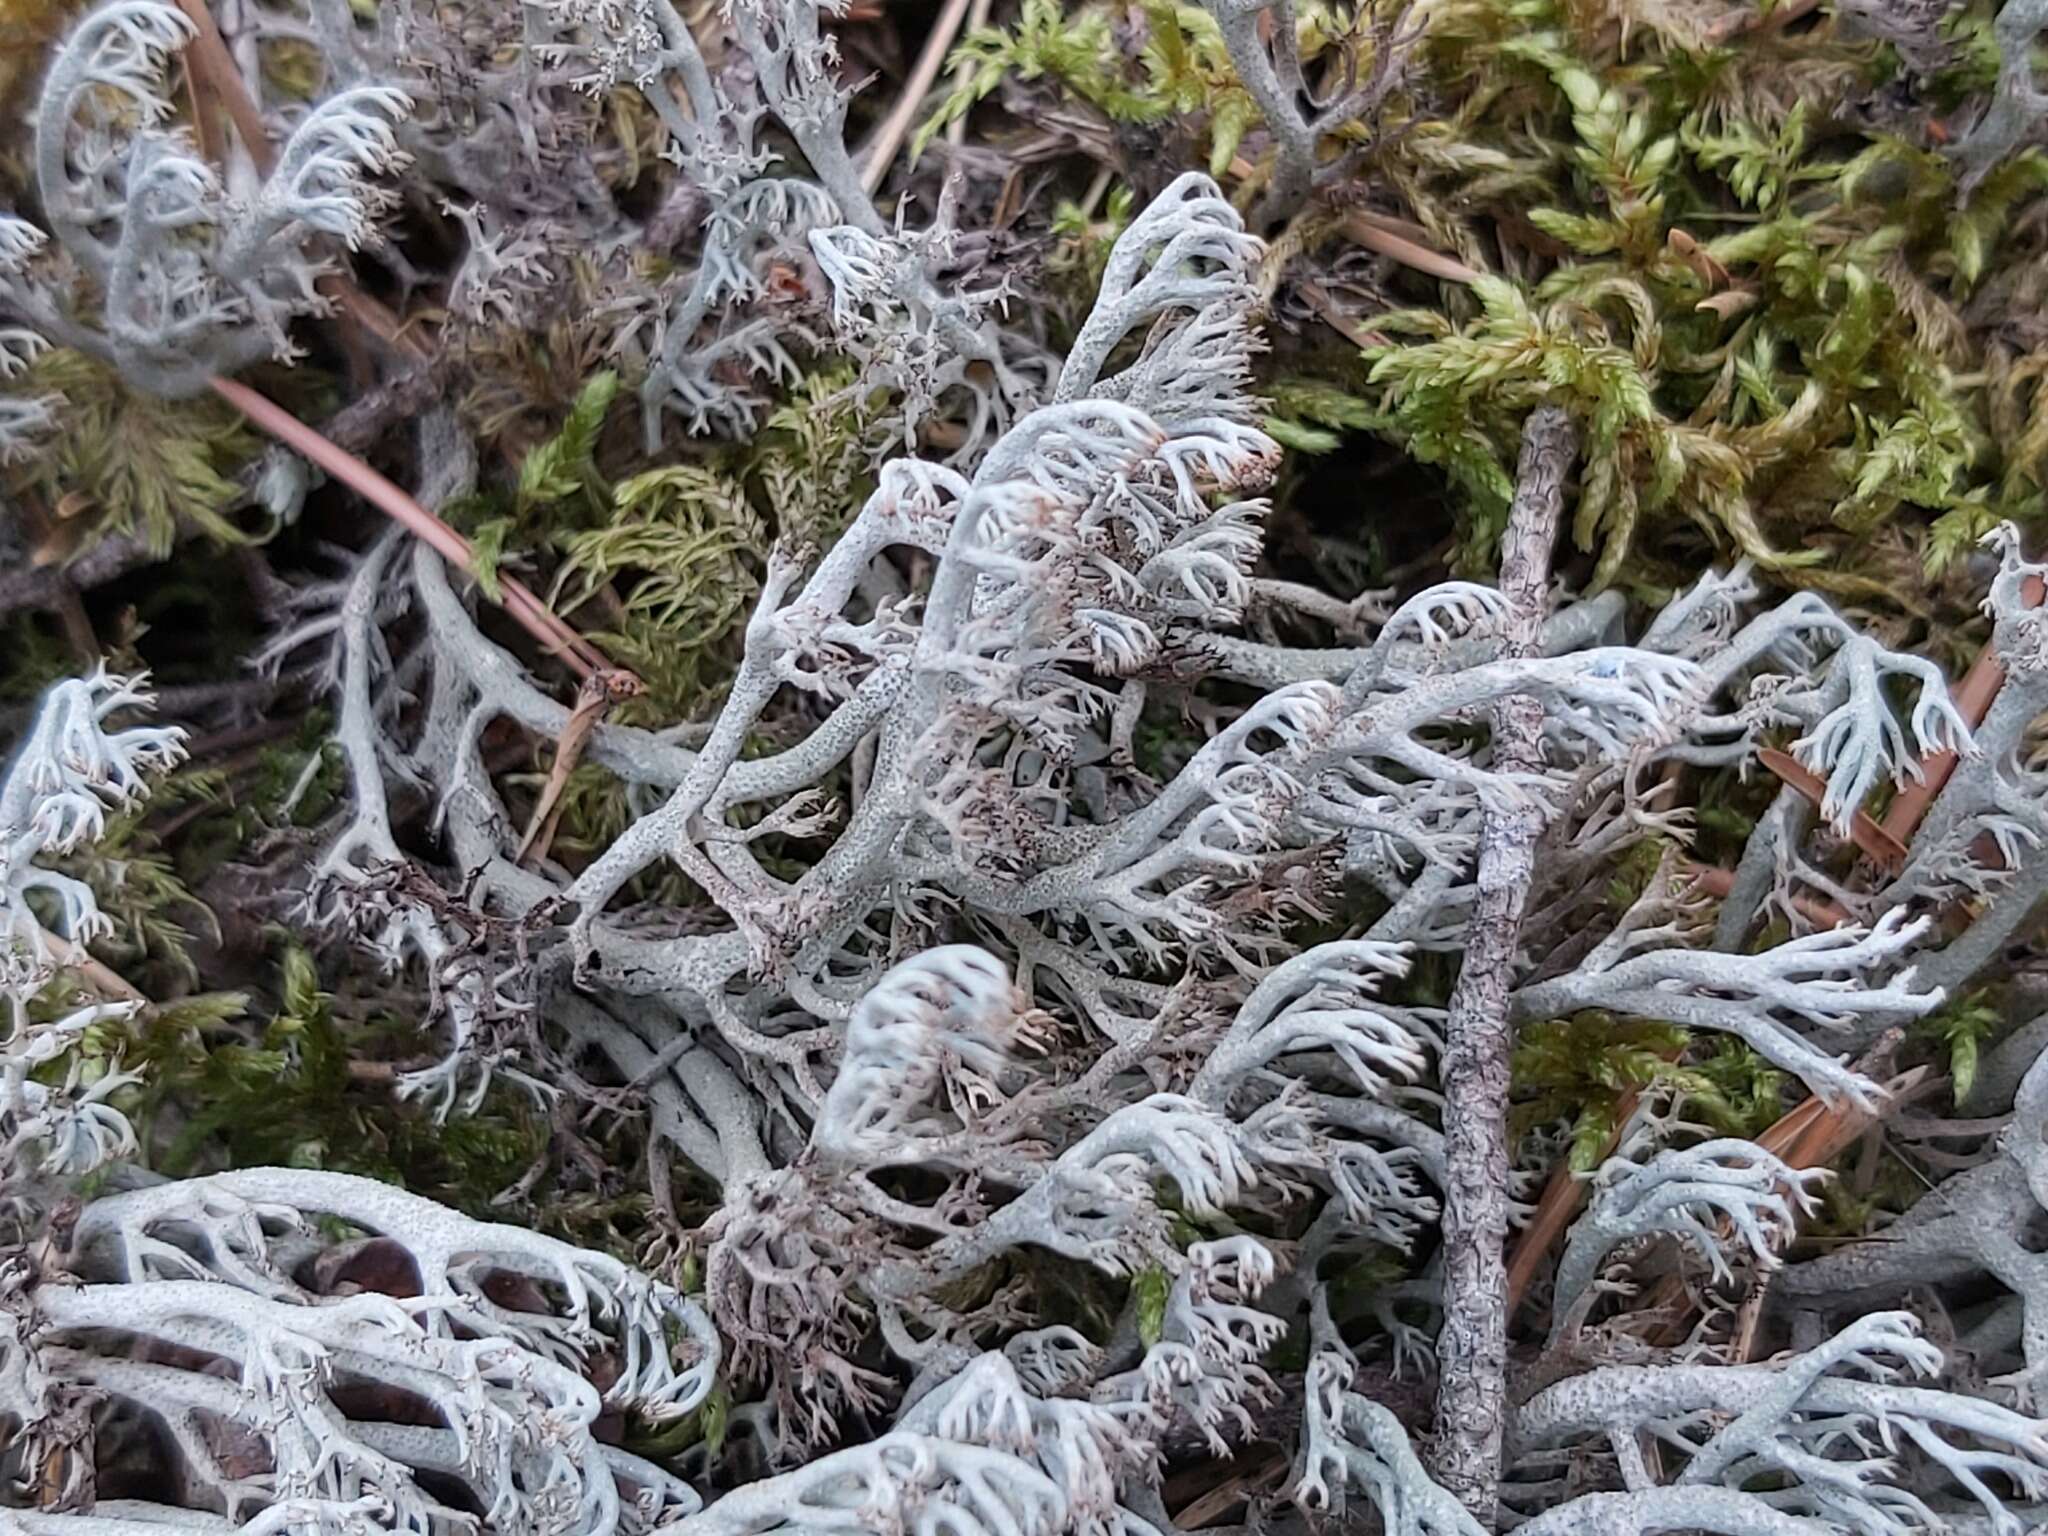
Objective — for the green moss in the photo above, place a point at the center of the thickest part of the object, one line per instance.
(229, 1082)
(128, 464)
(1743, 269)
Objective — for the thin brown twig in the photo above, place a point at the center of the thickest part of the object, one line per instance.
(97, 974)
(923, 74)
(1384, 235)
(1864, 831)
(977, 18)
(1973, 698)
(541, 622)
(210, 64)
(598, 692)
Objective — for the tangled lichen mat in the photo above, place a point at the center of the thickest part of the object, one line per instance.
(1023, 767)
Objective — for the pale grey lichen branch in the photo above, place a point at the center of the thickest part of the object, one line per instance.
(156, 268)
(1261, 37)
(239, 1227)
(1811, 1428)
(73, 767)
(1679, 1192)
(1820, 981)
(1856, 1448)
(2018, 104)
(494, 1338)
(1015, 998)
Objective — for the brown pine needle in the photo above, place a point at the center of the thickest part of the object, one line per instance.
(1562, 1196)
(210, 66)
(1718, 882)
(555, 636)
(597, 693)
(923, 75)
(1864, 832)
(1318, 299)
(1812, 1134)
(1390, 238)
(97, 974)
(1973, 698)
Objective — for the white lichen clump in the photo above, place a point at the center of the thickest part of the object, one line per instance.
(1019, 1013)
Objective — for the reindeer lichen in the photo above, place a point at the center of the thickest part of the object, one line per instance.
(1314, 740)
